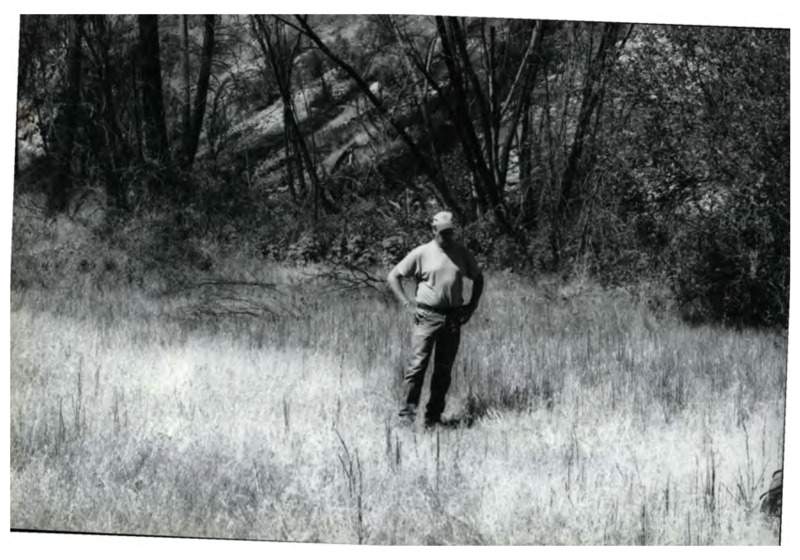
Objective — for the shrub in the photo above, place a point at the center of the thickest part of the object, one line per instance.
(732, 270)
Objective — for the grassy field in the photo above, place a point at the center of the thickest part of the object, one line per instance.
(591, 421)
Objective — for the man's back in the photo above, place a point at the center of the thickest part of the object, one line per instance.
(439, 273)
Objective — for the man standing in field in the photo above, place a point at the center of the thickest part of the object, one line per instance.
(438, 268)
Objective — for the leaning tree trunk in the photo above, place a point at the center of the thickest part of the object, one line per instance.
(440, 189)
(281, 55)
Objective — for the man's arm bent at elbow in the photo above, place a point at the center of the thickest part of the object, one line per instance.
(394, 281)
(477, 291)
(472, 305)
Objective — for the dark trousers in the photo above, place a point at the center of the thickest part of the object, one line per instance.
(431, 330)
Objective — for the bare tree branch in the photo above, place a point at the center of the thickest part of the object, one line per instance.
(441, 190)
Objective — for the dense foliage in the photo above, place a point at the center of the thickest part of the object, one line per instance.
(629, 152)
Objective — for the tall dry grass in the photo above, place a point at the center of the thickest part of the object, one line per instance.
(591, 422)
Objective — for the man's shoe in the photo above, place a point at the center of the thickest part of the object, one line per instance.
(406, 419)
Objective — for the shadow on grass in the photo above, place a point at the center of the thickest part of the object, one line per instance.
(500, 400)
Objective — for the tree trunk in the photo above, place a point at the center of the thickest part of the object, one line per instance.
(280, 56)
(482, 148)
(155, 128)
(289, 161)
(110, 149)
(136, 108)
(186, 110)
(592, 94)
(61, 184)
(192, 137)
(525, 149)
(422, 89)
(465, 128)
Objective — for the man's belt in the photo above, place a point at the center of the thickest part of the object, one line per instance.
(440, 310)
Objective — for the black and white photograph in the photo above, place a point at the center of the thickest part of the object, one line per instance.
(398, 279)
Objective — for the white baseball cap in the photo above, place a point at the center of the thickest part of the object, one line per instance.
(443, 221)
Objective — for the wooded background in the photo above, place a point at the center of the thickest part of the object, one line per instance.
(629, 153)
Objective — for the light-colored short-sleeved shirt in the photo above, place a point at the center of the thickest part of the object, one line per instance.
(438, 273)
